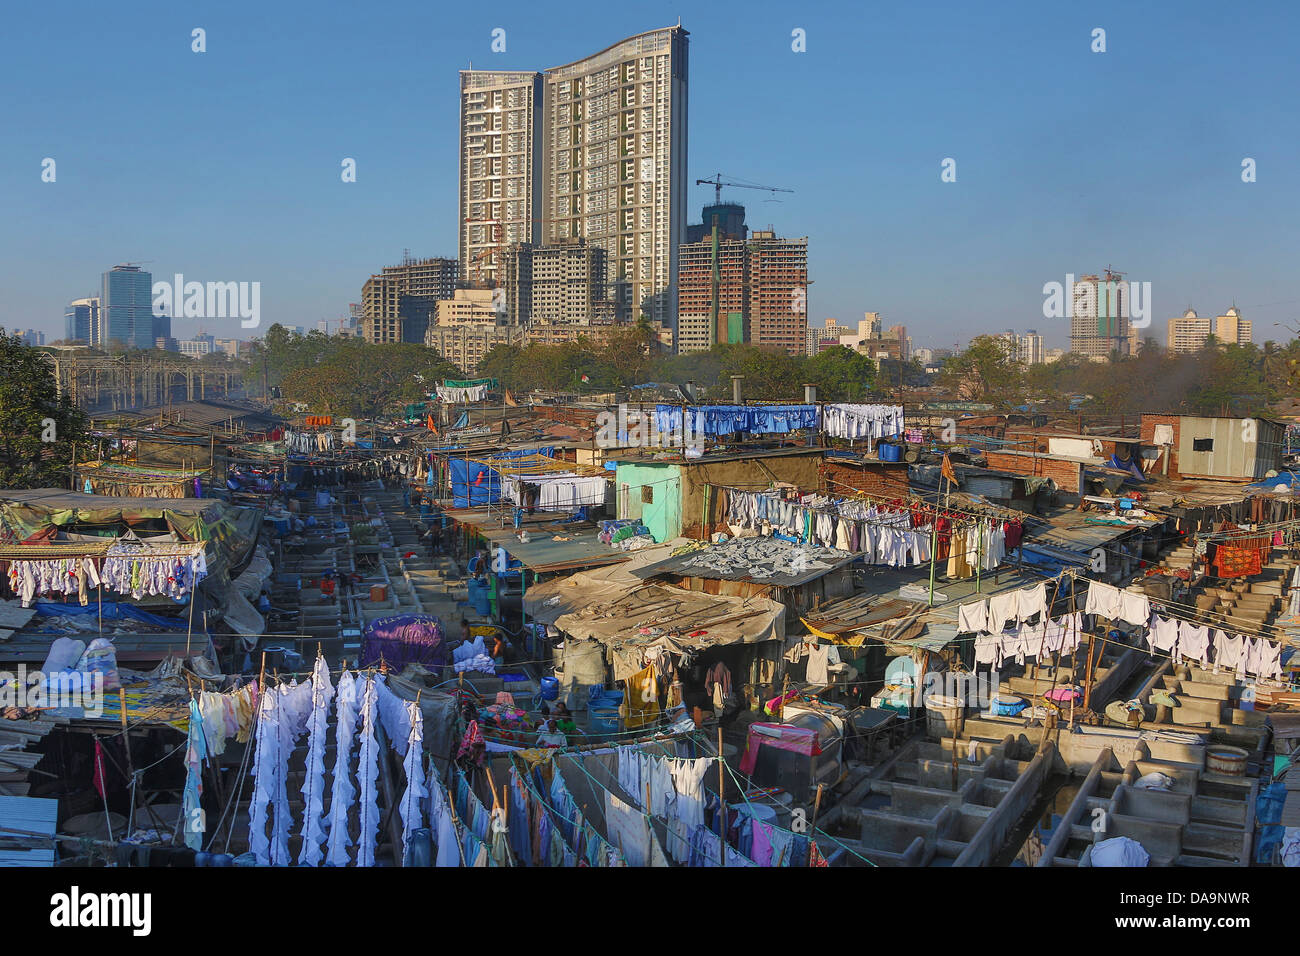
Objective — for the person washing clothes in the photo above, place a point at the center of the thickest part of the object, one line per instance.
(564, 722)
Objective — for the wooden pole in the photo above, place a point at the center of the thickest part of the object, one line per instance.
(130, 764)
(812, 830)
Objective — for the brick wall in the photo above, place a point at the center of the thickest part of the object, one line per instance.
(1149, 423)
(842, 478)
(1064, 473)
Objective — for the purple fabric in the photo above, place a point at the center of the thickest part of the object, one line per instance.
(762, 849)
(404, 639)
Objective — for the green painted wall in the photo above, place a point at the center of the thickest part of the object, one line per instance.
(663, 515)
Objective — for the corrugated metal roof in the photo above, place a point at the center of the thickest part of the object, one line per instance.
(1078, 535)
(28, 815)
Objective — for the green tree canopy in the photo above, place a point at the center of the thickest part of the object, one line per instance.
(39, 428)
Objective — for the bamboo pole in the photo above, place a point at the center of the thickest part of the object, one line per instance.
(812, 830)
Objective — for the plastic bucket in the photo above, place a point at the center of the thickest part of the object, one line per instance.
(889, 452)
(944, 716)
(550, 688)
(602, 720)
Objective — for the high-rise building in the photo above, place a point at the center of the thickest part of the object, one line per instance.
(202, 344)
(469, 325)
(126, 308)
(1231, 329)
(811, 339)
(731, 222)
(1187, 332)
(1027, 348)
(696, 330)
(1099, 318)
(29, 336)
(81, 321)
(762, 289)
(500, 168)
(568, 283)
(778, 291)
(400, 303)
(905, 343)
(614, 164)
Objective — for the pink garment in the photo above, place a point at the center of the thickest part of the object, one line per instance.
(796, 739)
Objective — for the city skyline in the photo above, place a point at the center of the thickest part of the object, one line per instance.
(241, 192)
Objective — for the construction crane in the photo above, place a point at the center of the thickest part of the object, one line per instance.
(717, 182)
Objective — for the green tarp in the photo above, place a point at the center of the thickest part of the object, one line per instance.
(489, 382)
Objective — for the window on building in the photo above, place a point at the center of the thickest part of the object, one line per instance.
(1202, 444)
(647, 494)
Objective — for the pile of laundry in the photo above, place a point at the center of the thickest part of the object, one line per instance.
(761, 558)
(473, 656)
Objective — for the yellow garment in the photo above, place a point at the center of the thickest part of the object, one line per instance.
(641, 699)
(536, 756)
(244, 712)
(959, 555)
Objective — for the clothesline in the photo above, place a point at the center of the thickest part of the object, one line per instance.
(740, 786)
(900, 503)
(989, 511)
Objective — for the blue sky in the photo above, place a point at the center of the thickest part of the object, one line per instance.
(225, 165)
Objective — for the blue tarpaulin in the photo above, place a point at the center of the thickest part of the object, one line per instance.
(113, 611)
(475, 484)
(1287, 478)
(1268, 817)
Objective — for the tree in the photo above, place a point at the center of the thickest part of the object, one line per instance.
(841, 374)
(363, 380)
(40, 427)
(986, 372)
